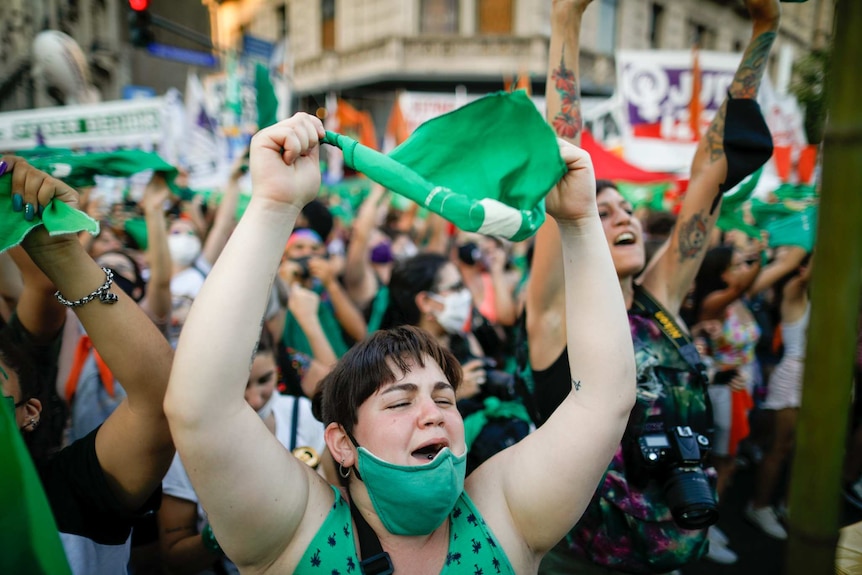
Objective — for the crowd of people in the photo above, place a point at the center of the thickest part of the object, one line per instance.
(282, 392)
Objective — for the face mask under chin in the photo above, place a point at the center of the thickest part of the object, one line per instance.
(412, 499)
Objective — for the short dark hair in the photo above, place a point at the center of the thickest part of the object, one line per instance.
(368, 365)
(601, 184)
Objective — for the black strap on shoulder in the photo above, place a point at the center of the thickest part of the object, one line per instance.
(377, 561)
(294, 424)
(644, 304)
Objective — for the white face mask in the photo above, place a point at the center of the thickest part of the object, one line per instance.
(184, 248)
(408, 250)
(456, 310)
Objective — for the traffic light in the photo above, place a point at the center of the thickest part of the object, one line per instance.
(140, 34)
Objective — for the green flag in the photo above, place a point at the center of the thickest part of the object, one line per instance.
(267, 102)
(486, 167)
(31, 543)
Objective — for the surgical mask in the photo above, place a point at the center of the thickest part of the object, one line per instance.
(413, 499)
(266, 408)
(184, 249)
(456, 310)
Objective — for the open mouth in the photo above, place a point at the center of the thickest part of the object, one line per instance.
(625, 239)
(428, 452)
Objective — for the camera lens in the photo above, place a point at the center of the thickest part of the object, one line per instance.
(689, 496)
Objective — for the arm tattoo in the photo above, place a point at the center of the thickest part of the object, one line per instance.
(745, 84)
(715, 135)
(568, 122)
(747, 77)
(692, 237)
(576, 383)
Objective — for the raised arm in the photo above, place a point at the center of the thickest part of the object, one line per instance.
(11, 286)
(222, 441)
(158, 298)
(670, 275)
(133, 445)
(545, 301)
(582, 434)
(359, 281)
(225, 217)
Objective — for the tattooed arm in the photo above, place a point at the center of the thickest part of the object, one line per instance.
(545, 302)
(669, 277)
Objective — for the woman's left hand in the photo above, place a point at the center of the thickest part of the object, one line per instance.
(574, 196)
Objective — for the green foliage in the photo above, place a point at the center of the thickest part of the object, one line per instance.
(810, 87)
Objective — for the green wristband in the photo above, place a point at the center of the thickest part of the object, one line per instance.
(209, 540)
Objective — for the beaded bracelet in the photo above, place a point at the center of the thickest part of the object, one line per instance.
(101, 292)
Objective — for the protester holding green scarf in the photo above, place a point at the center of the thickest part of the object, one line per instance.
(389, 406)
(97, 485)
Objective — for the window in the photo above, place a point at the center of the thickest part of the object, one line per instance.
(607, 40)
(656, 24)
(703, 36)
(495, 16)
(281, 18)
(327, 28)
(438, 17)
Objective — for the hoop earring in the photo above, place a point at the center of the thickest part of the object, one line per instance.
(341, 470)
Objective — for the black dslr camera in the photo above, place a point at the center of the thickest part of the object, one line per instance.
(675, 458)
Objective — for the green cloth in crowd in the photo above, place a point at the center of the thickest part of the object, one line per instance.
(58, 218)
(266, 101)
(732, 215)
(39, 151)
(80, 170)
(786, 225)
(293, 336)
(486, 167)
(31, 542)
(494, 408)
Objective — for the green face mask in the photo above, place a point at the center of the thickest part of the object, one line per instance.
(413, 499)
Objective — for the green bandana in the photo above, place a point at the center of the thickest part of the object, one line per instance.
(77, 170)
(732, 213)
(787, 225)
(485, 167)
(58, 217)
(31, 543)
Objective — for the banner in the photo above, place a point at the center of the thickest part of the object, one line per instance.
(106, 125)
(655, 89)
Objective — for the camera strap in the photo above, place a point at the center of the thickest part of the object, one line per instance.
(644, 304)
(375, 560)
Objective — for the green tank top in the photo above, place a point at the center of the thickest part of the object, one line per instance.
(472, 546)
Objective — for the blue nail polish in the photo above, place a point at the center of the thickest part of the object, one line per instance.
(39, 209)
(3, 167)
(17, 202)
(29, 212)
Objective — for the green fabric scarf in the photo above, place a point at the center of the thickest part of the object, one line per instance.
(58, 218)
(486, 167)
(76, 170)
(31, 542)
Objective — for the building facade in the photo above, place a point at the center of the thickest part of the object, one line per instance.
(367, 50)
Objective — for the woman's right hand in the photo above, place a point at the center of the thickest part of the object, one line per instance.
(285, 163)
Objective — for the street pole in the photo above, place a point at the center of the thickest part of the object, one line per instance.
(821, 434)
